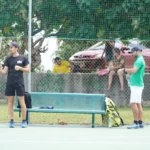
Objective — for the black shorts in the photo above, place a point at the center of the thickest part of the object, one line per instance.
(116, 70)
(17, 88)
(109, 58)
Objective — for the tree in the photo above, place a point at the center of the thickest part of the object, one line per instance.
(92, 19)
(75, 19)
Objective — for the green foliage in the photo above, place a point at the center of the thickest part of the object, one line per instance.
(86, 19)
(13, 17)
(75, 19)
(38, 69)
(69, 47)
(4, 49)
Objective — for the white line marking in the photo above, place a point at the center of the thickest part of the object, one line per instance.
(76, 142)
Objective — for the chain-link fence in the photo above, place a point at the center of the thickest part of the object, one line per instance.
(82, 34)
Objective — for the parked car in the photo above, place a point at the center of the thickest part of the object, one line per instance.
(93, 58)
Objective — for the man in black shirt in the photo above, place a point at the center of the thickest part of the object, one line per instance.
(15, 65)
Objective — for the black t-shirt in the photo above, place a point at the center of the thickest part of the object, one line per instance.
(15, 76)
(109, 53)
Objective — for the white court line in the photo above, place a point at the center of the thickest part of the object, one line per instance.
(76, 142)
(104, 137)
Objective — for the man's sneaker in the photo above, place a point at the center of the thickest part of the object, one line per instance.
(11, 124)
(133, 126)
(141, 126)
(24, 124)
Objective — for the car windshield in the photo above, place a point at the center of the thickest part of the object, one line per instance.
(101, 45)
(98, 46)
(131, 45)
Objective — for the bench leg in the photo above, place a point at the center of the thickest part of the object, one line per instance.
(93, 117)
(27, 117)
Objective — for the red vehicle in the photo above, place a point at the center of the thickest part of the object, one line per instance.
(93, 58)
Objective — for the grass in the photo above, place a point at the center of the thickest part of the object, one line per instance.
(82, 119)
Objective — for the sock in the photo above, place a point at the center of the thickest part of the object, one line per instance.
(140, 121)
(12, 120)
(23, 120)
(136, 122)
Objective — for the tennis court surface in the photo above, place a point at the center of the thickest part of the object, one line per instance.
(44, 137)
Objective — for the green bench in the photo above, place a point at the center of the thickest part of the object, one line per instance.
(77, 103)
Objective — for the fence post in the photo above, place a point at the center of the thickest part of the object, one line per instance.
(29, 43)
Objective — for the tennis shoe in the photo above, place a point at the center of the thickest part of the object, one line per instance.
(133, 126)
(24, 124)
(141, 126)
(11, 124)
